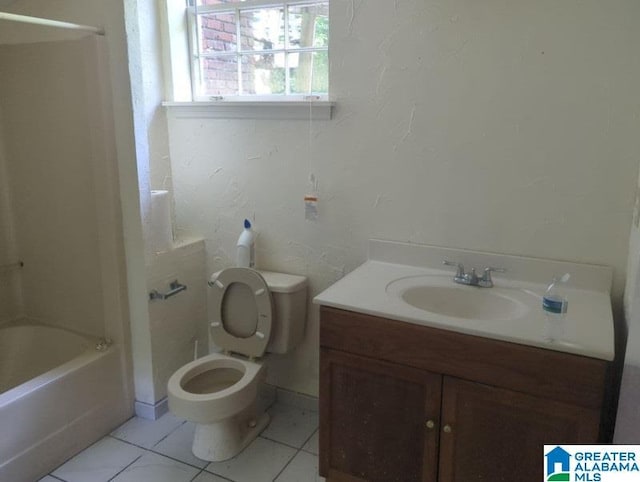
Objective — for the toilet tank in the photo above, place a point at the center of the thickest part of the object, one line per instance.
(289, 294)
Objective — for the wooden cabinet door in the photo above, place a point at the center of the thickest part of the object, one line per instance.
(495, 434)
(378, 420)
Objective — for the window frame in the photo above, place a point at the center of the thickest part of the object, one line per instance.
(195, 56)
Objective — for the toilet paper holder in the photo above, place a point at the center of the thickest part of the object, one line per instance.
(175, 287)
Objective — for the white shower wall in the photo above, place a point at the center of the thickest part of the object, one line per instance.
(50, 150)
(10, 277)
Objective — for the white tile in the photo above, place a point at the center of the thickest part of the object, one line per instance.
(303, 468)
(156, 468)
(100, 462)
(178, 445)
(208, 477)
(312, 443)
(147, 433)
(290, 425)
(299, 400)
(261, 461)
(48, 478)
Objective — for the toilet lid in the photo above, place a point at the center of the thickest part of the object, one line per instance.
(242, 311)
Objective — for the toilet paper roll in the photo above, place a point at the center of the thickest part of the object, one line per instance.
(161, 232)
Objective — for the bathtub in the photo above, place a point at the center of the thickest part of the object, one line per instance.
(58, 394)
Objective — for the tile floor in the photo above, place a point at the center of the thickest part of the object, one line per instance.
(160, 451)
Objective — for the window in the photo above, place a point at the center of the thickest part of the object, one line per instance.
(259, 49)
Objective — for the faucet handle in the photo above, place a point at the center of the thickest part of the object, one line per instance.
(486, 276)
(460, 271)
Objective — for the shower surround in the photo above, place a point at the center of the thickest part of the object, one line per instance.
(62, 273)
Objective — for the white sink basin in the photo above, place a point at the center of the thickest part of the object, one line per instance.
(471, 303)
(439, 295)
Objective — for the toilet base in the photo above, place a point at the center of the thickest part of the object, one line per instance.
(225, 439)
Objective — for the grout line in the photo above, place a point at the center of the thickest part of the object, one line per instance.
(127, 466)
(141, 446)
(127, 442)
(72, 457)
(197, 475)
(217, 474)
(178, 460)
(183, 422)
(286, 465)
(159, 453)
(55, 477)
(278, 442)
(299, 400)
(220, 476)
(309, 438)
(288, 404)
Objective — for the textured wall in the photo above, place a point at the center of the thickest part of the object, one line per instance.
(505, 126)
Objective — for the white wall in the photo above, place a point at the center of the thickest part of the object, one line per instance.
(10, 277)
(628, 418)
(50, 163)
(505, 126)
(156, 352)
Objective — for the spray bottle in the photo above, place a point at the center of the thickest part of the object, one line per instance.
(245, 256)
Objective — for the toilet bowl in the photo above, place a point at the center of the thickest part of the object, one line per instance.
(218, 392)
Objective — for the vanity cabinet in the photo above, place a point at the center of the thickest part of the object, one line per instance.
(375, 409)
(403, 402)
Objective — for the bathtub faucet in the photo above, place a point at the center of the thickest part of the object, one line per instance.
(104, 344)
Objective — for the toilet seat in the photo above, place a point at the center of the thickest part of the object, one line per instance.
(228, 401)
(255, 306)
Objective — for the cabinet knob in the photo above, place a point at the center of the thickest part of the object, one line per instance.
(447, 429)
(430, 424)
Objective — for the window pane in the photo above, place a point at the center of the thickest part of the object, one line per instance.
(262, 29)
(213, 2)
(309, 25)
(263, 74)
(217, 32)
(219, 75)
(223, 71)
(309, 72)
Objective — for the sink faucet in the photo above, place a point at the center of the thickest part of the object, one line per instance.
(472, 279)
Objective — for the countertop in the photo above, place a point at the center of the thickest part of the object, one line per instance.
(588, 324)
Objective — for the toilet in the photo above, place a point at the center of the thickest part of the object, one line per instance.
(253, 312)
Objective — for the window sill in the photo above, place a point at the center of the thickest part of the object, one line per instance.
(273, 110)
